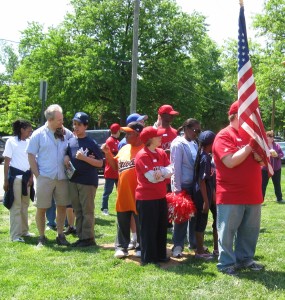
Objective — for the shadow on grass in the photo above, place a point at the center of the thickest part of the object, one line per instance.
(104, 222)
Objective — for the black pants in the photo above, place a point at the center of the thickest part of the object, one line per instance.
(153, 229)
(123, 229)
(276, 179)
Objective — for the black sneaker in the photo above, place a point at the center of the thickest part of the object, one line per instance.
(70, 230)
(42, 241)
(230, 271)
(255, 267)
(84, 243)
(61, 240)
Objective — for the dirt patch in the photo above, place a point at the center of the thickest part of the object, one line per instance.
(131, 258)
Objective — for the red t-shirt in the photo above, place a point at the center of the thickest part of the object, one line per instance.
(109, 172)
(241, 184)
(168, 136)
(144, 162)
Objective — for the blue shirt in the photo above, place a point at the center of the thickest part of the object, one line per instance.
(49, 152)
(84, 172)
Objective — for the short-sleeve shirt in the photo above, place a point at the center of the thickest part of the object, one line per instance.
(206, 173)
(84, 173)
(168, 136)
(127, 178)
(241, 184)
(49, 152)
(15, 149)
(146, 161)
(112, 143)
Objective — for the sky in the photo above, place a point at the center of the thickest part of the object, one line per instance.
(222, 15)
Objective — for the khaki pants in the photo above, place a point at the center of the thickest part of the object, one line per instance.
(82, 200)
(19, 211)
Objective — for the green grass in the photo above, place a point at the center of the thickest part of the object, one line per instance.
(53, 272)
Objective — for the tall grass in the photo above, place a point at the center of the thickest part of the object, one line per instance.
(54, 272)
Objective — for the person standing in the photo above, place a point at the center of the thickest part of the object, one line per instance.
(183, 152)
(124, 162)
(275, 160)
(46, 152)
(238, 198)
(150, 196)
(84, 155)
(18, 180)
(110, 175)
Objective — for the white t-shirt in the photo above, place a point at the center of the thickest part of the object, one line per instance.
(16, 150)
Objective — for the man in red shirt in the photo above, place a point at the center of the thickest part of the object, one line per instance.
(110, 175)
(238, 197)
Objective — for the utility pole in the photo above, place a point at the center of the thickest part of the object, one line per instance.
(133, 105)
(43, 97)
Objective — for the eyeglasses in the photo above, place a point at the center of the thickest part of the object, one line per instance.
(271, 136)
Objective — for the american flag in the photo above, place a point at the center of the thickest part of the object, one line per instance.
(248, 112)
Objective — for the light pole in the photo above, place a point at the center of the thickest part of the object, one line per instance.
(133, 104)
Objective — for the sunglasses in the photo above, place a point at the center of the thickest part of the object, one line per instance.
(271, 136)
(196, 130)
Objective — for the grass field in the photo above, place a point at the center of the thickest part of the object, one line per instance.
(54, 272)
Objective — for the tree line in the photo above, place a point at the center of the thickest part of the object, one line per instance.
(86, 61)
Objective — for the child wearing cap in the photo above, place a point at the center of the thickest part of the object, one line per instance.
(151, 203)
(110, 175)
(85, 155)
(203, 192)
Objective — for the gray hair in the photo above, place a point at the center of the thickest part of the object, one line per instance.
(50, 111)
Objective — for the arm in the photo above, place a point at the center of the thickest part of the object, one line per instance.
(203, 190)
(33, 164)
(176, 156)
(90, 160)
(233, 160)
(109, 157)
(6, 169)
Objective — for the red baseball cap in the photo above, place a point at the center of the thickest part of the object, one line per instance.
(150, 132)
(233, 109)
(167, 109)
(115, 128)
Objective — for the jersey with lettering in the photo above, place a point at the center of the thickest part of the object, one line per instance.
(127, 182)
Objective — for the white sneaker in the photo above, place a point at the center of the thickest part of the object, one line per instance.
(29, 234)
(120, 254)
(21, 240)
(132, 245)
(138, 253)
(105, 212)
(177, 251)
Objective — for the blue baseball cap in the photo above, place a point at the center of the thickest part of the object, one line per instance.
(135, 118)
(206, 137)
(81, 117)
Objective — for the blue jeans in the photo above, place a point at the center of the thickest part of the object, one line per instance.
(181, 230)
(51, 214)
(108, 189)
(237, 224)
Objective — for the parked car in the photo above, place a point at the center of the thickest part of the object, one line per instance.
(2, 147)
(282, 146)
(100, 136)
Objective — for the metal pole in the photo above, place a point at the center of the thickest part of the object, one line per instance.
(133, 104)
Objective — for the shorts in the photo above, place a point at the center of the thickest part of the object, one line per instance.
(48, 188)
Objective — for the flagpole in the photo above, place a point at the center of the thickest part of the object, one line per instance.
(241, 3)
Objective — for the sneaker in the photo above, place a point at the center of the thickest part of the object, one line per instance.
(230, 271)
(105, 212)
(61, 240)
(29, 234)
(280, 201)
(204, 256)
(120, 253)
(177, 251)
(132, 245)
(52, 227)
(254, 267)
(84, 243)
(21, 240)
(138, 253)
(70, 230)
(42, 241)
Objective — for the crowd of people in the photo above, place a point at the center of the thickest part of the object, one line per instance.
(221, 173)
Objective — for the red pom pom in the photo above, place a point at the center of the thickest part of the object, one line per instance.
(181, 207)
